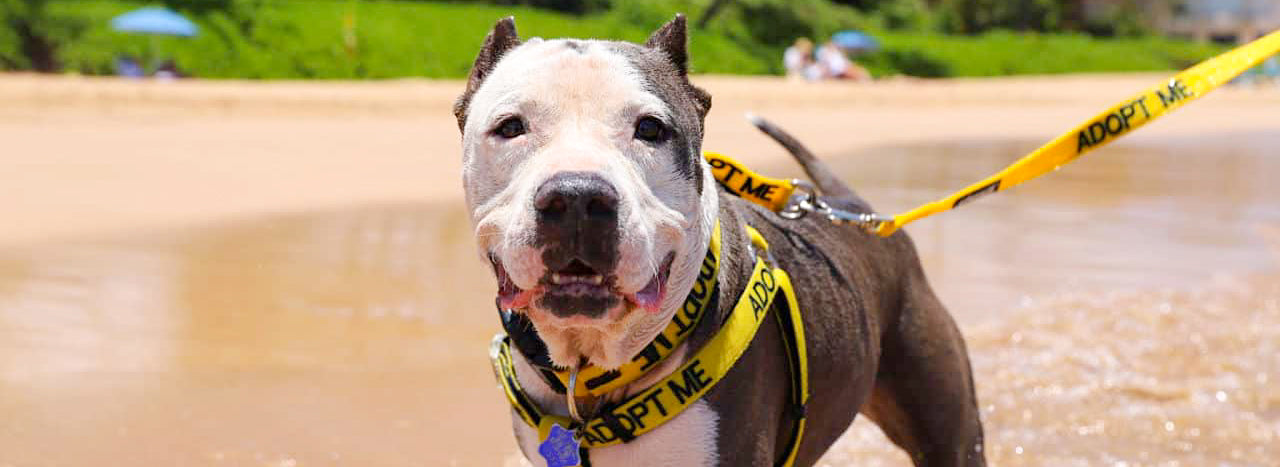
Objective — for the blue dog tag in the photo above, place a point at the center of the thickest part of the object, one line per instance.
(560, 449)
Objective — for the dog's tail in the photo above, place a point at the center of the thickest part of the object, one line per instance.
(825, 179)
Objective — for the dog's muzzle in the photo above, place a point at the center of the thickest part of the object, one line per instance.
(577, 228)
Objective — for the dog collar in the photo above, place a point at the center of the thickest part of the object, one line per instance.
(596, 381)
(564, 442)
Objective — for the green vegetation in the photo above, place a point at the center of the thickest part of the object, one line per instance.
(347, 39)
(1000, 53)
(308, 39)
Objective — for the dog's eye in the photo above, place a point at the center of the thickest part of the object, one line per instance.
(510, 128)
(652, 130)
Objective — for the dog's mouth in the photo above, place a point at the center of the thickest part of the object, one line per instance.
(510, 296)
(579, 290)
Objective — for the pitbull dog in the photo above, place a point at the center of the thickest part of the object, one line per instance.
(590, 197)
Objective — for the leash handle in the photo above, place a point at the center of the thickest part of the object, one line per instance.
(1101, 130)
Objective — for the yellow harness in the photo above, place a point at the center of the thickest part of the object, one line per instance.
(565, 442)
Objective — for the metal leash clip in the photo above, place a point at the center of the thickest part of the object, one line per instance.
(805, 201)
(868, 221)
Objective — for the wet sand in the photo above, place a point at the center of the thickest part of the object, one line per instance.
(282, 274)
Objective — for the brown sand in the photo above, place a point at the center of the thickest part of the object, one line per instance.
(229, 273)
(81, 155)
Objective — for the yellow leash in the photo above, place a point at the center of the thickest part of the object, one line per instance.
(781, 195)
(773, 193)
(1117, 121)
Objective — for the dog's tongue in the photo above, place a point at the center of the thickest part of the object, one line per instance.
(650, 297)
(510, 296)
(514, 300)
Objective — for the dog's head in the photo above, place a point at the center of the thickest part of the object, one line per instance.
(583, 173)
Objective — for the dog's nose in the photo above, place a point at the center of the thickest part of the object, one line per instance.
(577, 216)
(576, 196)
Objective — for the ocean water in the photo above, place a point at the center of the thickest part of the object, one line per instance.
(1125, 311)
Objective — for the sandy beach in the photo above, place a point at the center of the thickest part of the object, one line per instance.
(93, 155)
(281, 273)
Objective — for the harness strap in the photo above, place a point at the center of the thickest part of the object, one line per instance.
(661, 402)
(596, 381)
(792, 327)
(650, 408)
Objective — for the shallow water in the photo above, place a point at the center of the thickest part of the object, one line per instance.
(1125, 309)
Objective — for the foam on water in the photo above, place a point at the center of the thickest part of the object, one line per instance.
(1159, 377)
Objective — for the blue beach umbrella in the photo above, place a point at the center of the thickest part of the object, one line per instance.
(855, 40)
(155, 20)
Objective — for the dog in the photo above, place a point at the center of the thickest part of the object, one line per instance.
(589, 196)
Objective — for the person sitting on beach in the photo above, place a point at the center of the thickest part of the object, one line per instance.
(836, 65)
(798, 59)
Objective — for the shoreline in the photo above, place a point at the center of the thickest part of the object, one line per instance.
(89, 156)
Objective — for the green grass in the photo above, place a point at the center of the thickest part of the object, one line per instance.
(297, 39)
(1007, 53)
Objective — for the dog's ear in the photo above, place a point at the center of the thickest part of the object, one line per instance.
(500, 40)
(673, 39)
